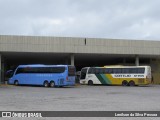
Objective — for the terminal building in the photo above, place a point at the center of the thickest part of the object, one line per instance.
(81, 52)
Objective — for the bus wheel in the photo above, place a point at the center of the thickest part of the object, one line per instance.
(90, 82)
(45, 84)
(52, 84)
(124, 83)
(131, 83)
(16, 82)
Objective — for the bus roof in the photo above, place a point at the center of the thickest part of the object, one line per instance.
(116, 66)
(42, 65)
(125, 66)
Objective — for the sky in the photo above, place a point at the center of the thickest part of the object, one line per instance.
(116, 19)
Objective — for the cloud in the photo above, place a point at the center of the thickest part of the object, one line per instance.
(120, 19)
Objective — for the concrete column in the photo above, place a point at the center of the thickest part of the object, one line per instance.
(137, 60)
(0, 68)
(72, 59)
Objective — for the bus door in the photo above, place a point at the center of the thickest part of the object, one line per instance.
(83, 74)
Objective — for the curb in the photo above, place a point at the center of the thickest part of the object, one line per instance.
(5, 85)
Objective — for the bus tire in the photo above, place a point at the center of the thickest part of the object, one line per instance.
(45, 84)
(124, 83)
(90, 82)
(52, 84)
(16, 83)
(131, 83)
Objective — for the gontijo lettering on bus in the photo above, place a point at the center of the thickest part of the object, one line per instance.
(127, 76)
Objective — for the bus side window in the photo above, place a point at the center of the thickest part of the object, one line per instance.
(117, 70)
(101, 71)
(90, 71)
(114, 70)
(20, 70)
(97, 71)
(125, 70)
(134, 70)
(106, 70)
(110, 70)
(141, 70)
(93, 70)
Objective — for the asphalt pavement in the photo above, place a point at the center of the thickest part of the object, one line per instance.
(80, 98)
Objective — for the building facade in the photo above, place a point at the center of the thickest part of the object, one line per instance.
(81, 52)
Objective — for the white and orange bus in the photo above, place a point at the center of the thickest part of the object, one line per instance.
(116, 75)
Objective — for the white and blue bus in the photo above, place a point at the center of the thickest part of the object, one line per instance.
(46, 75)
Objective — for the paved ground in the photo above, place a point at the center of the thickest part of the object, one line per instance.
(80, 98)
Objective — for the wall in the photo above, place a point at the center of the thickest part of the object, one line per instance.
(155, 65)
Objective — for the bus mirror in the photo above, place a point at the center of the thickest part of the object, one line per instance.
(9, 73)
